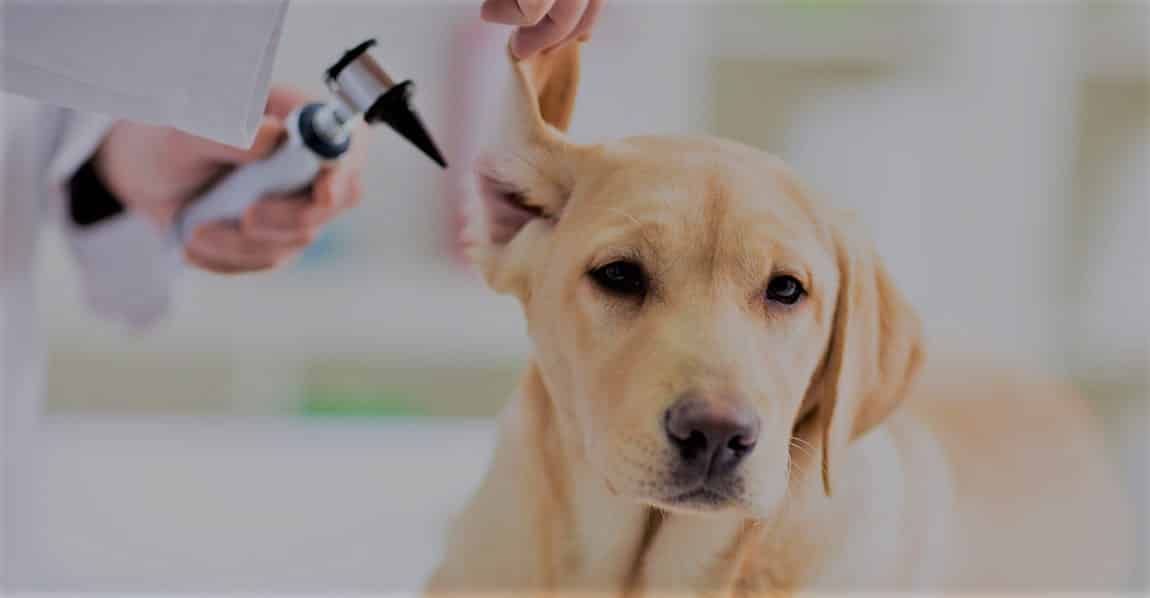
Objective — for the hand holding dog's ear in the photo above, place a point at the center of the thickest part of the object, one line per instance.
(526, 177)
(543, 24)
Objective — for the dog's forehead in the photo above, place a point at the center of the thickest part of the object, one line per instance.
(691, 190)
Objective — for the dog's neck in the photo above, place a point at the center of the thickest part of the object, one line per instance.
(595, 540)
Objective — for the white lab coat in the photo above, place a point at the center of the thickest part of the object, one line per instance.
(200, 66)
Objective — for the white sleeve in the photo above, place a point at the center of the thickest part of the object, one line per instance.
(126, 265)
(203, 67)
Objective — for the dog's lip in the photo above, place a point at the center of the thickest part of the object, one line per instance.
(702, 494)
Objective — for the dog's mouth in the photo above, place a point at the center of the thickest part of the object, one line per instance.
(701, 498)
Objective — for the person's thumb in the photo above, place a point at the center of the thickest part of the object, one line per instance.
(268, 138)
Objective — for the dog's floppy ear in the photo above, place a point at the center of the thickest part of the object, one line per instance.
(873, 356)
(525, 178)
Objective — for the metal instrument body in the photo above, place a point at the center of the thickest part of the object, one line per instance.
(291, 168)
(317, 133)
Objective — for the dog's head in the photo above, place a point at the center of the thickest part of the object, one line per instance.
(697, 318)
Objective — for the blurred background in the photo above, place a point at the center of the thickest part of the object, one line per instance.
(274, 433)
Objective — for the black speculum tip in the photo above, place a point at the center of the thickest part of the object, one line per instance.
(395, 109)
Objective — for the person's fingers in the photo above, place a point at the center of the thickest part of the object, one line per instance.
(515, 12)
(227, 264)
(295, 211)
(564, 16)
(226, 241)
(223, 247)
(582, 31)
(275, 228)
(216, 265)
(336, 190)
(290, 220)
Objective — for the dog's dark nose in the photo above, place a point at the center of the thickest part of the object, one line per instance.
(713, 436)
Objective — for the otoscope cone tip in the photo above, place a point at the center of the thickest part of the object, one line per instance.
(393, 108)
(408, 125)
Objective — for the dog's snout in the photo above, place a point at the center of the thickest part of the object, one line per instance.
(714, 435)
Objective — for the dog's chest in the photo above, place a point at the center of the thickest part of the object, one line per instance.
(603, 536)
(624, 549)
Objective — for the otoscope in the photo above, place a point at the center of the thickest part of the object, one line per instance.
(317, 133)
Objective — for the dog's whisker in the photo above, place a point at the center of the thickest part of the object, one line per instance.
(805, 451)
(803, 442)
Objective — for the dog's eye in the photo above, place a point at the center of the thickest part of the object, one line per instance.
(621, 278)
(784, 289)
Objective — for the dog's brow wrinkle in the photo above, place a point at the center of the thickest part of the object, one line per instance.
(627, 215)
(716, 208)
(640, 226)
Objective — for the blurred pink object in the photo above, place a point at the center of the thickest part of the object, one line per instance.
(477, 65)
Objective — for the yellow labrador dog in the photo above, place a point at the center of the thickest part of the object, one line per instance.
(728, 394)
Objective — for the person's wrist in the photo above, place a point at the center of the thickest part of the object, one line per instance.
(130, 178)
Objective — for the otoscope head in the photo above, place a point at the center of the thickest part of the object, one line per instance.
(363, 87)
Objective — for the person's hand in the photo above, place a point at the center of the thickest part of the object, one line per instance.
(543, 24)
(157, 170)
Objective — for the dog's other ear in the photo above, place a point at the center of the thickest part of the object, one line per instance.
(524, 180)
(873, 356)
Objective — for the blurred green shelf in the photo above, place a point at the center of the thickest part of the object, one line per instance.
(360, 402)
(378, 386)
(824, 4)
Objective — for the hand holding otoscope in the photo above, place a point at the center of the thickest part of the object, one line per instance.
(316, 134)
